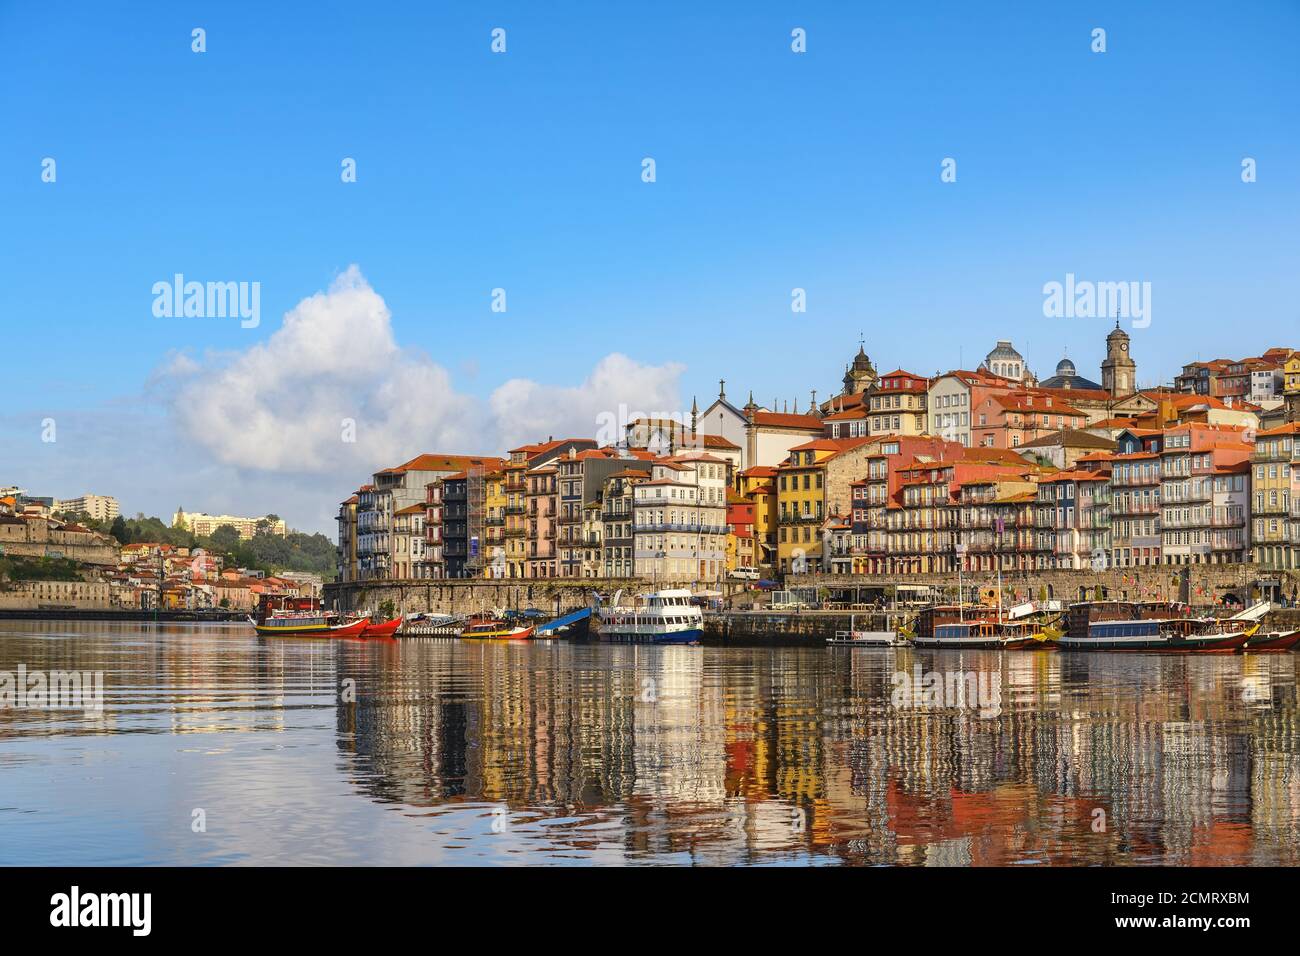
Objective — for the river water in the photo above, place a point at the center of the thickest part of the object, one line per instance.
(213, 746)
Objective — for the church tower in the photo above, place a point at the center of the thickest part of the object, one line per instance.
(1119, 371)
(859, 376)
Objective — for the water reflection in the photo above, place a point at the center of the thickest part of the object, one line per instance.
(452, 752)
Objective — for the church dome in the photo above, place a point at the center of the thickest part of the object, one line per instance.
(1066, 367)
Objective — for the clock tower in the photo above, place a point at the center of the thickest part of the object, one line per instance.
(1119, 371)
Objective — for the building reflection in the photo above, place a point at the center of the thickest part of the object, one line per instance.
(732, 756)
(726, 756)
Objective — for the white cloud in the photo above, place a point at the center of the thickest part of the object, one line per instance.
(525, 411)
(279, 406)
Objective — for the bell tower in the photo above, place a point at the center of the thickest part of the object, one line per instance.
(1118, 371)
(861, 374)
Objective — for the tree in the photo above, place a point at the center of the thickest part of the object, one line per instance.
(225, 539)
(119, 530)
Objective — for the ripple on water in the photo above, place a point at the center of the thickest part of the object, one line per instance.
(427, 752)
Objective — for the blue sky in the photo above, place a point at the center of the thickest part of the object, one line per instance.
(522, 171)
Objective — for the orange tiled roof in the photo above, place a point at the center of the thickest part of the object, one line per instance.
(787, 420)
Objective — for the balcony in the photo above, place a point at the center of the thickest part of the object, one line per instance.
(1122, 508)
(1237, 521)
(1136, 481)
(688, 528)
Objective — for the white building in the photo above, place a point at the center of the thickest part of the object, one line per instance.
(203, 525)
(99, 507)
(949, 403)
(679, 520)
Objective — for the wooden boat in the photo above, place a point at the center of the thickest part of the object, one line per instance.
(496, 629)
(1273, 640)
(299, 624)
(1163, 635)
(989, 634)
(301, 617)
(386, 629)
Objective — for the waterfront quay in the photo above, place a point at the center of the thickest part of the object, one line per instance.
(742, 613)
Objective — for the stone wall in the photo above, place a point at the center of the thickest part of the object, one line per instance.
(35, 538)
(552, 596)
(35, 595)
(1196, 584)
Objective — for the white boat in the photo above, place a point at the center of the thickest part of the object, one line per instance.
(854, 637)
(658, 617)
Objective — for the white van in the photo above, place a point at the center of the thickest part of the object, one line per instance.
(743, 574)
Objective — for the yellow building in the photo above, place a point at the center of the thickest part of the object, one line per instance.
(494, 524)
(1291, 374)
(800, 504)
(515, 485)
(898, 404)
(757, 485)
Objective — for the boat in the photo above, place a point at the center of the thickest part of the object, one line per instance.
(1273, 640)
(574, 625)
(1164, 635)
(1027, 626)
(497, 629)
(855, 637)
(667, 616)
(988, 634)
(386, 629)
(302, 617)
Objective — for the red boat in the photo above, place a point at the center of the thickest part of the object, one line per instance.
(1273, 641)
(386, 629)
(297, 624)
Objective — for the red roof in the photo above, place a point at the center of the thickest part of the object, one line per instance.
(787, 420)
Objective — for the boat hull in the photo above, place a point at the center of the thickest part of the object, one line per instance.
(386, 629)
(1208, 644)
(500, 634)
(866, 639)
(954, 643)
(689, 636)
(1274, 641)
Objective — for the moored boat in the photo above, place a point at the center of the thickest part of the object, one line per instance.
(666, 616)
(988, 634)
(889, 636)
(386, 629)
(1273, 640)
(1162, 635)
(498, 629)
(308, 624)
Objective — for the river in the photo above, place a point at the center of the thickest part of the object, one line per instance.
(210, 746)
